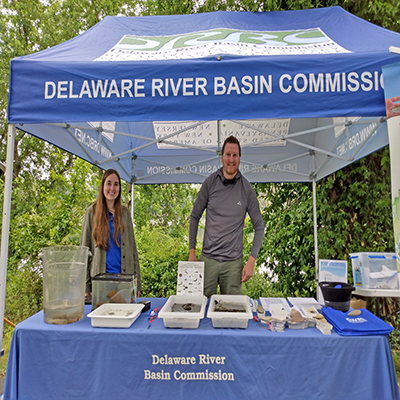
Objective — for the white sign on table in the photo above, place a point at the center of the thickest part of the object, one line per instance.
(331, 271)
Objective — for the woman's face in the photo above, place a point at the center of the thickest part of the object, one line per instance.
(111, 188)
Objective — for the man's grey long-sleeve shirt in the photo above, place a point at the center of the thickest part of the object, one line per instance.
(227, 205)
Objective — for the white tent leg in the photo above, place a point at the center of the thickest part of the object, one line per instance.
(132, 200)
(314, 183)
(6, 222)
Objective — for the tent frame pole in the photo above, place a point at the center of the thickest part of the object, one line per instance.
(6, 222)
(314, 185)
(132, 200)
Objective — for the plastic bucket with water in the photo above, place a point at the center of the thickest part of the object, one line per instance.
(64, 279)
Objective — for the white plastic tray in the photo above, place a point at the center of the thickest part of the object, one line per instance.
(189, 320)
(230, 319)
(115, 315)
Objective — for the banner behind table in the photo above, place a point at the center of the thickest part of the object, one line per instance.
(391, 75)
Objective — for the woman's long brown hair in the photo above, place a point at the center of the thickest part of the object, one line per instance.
(101, 228)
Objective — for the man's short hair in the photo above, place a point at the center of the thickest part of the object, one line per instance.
(234, 140)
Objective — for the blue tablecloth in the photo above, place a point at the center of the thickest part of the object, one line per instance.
(77, 361)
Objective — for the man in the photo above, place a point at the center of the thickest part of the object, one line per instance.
(228, 196)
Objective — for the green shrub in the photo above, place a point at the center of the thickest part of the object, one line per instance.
(159, 255)
(24, 293)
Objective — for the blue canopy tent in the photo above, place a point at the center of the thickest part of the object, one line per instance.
(154, 97)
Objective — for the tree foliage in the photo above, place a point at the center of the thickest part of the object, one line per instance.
(353, 214)
(166, 207)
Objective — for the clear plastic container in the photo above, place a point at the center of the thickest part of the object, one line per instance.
(237, 318)
(375, 270)
(115, 315)
(64, 279)
(113, 288)
(183, 311)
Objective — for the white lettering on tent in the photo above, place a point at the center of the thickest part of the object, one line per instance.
(333, 85)
(219, 85)
(247, 84)
(47, 87)
(71, 94)
(282, 88)
(272, 168)
(188, 87)
(113, 89)
(317, 85)
(208, 169)
(353, 79)
(366, 78)
(304, 80)
(126, 86)
(175, 88)
(168, 170)
(85, 90)
(99, 86)
(256, 85)
(201, 85)
(62, 87)
(139, 85)
(338, 82)
(376, 74)
(357, 139)
(91, 143)
(180, 86)
(157, 85)
(233, 86)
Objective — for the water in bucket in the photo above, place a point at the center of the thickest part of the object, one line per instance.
(64, 279)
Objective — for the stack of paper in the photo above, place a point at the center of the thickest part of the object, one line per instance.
(304, 302)
(266, 302)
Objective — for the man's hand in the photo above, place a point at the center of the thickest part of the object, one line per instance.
(248, 269)
(192, 255)
(392, 106)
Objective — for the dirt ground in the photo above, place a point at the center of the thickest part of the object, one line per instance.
(1, 385)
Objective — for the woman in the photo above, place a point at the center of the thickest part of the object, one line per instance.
(108, 232)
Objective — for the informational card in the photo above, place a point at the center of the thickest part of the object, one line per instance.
(331, 271)
(190, 277)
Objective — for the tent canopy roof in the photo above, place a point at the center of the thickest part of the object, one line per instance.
(302, 90)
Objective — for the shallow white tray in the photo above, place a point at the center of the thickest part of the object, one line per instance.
(189, 320)
(115, 315)
(222, 319)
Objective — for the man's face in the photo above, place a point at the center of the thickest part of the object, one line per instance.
(230, 160)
